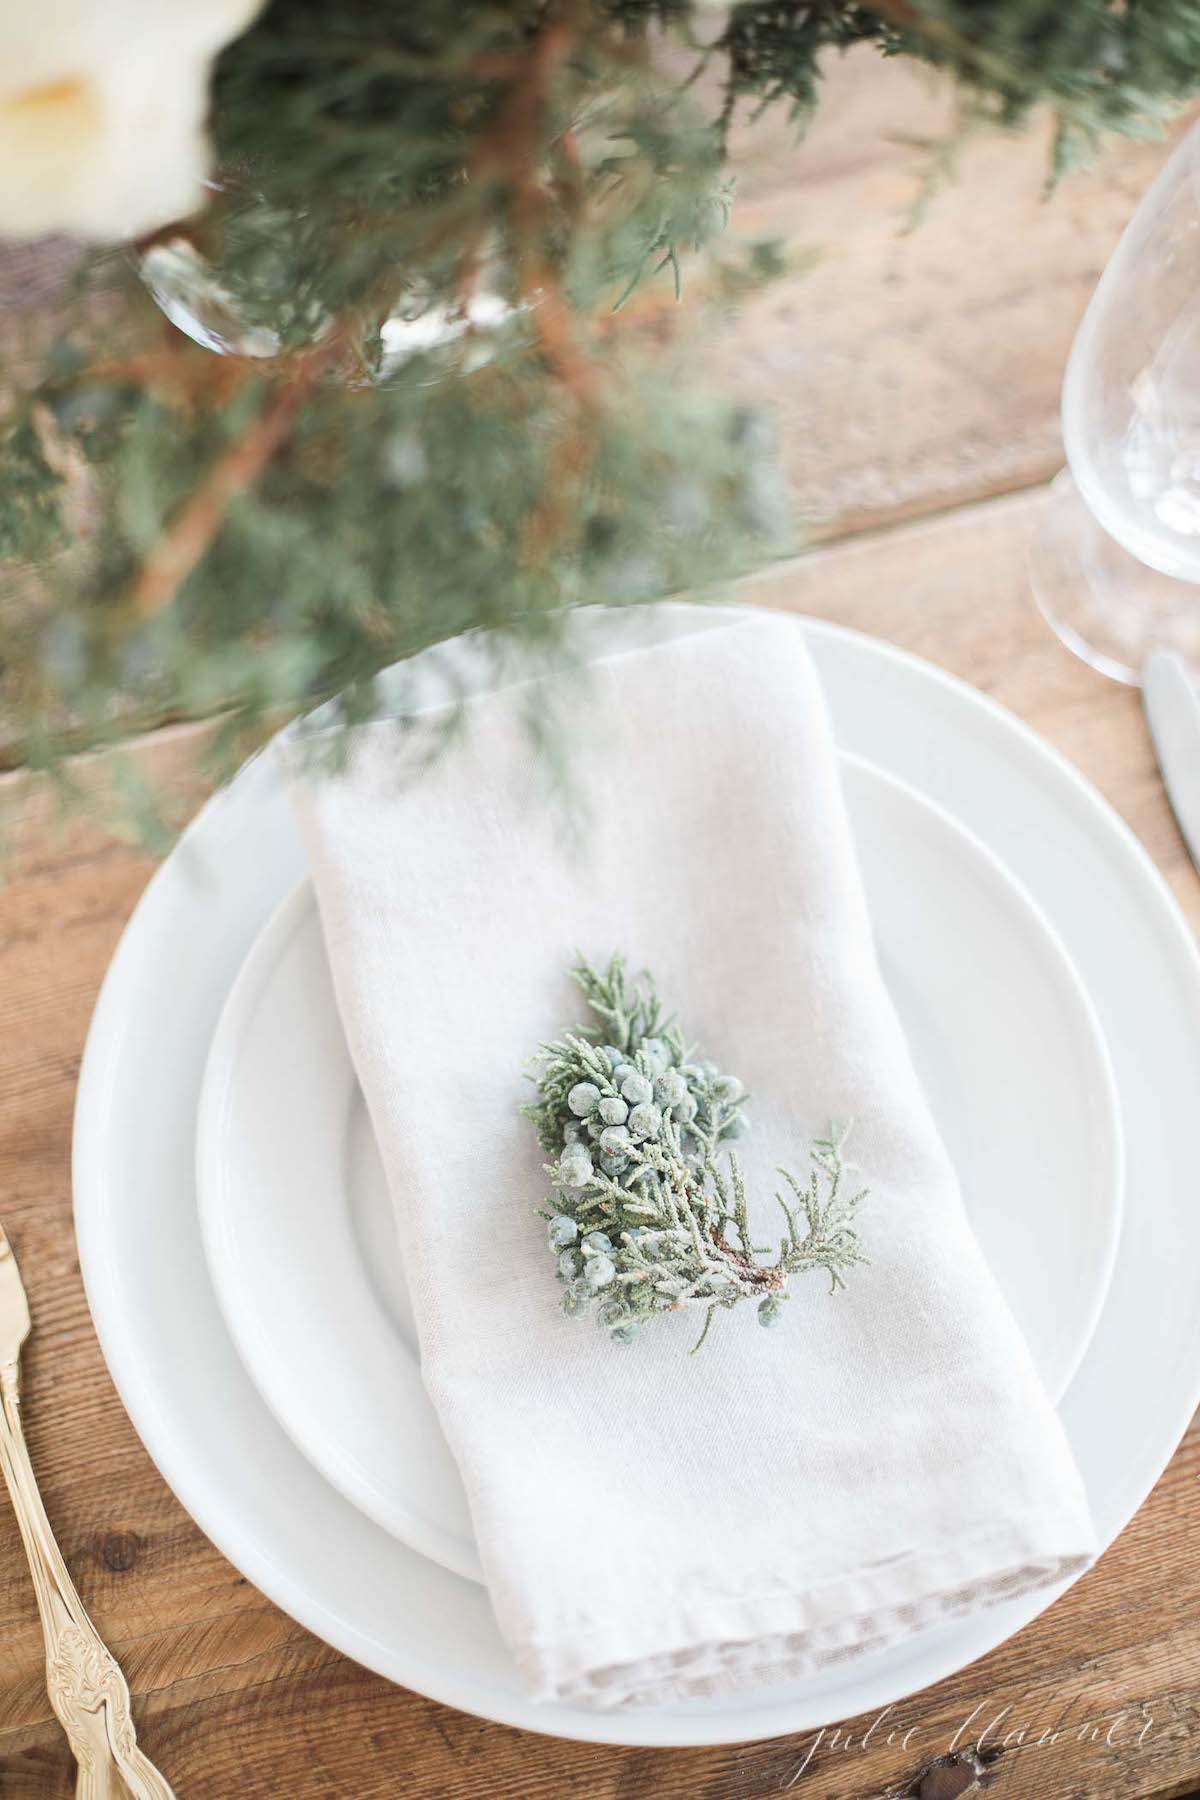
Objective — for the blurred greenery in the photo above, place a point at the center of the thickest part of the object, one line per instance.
(429, 415)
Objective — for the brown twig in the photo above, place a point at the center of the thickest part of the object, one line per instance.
(511, 152)
(550, 519)
(175, 372)
(196, 523)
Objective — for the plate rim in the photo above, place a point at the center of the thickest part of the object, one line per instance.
(215, 1208)
(267, 948)
(99, 1261)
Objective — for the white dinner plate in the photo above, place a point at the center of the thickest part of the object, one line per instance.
(354, 1584)
(297, 1221)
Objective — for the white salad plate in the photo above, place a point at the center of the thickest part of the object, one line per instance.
(356, 1585)
(297, 1220)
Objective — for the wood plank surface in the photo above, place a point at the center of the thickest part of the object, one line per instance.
(915, 375)
(912, 372)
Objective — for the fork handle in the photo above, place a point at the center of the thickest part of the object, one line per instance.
(87, 1689)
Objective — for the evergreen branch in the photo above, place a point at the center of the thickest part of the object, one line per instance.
(235, 471)
(184, 533)
(644, 1219)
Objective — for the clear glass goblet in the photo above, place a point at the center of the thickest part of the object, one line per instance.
(1116, 559)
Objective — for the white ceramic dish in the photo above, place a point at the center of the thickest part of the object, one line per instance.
(350, 1581)
(297, 1222)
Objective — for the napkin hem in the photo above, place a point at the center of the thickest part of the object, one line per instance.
(725, 1642)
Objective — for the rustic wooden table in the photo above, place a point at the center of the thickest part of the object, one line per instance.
(918, 380)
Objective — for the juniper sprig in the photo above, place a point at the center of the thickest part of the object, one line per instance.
(643, 1218)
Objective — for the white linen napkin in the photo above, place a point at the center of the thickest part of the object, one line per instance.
(655, 1525)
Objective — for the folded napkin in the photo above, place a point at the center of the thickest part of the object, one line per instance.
(654, 1525)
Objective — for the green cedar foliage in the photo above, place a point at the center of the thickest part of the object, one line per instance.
(183, 532)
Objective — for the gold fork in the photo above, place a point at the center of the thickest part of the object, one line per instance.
(87, 1689)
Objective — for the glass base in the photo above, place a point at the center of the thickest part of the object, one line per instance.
(1104, 604)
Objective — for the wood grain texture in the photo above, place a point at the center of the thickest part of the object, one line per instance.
(913, 371)
(914, 375)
